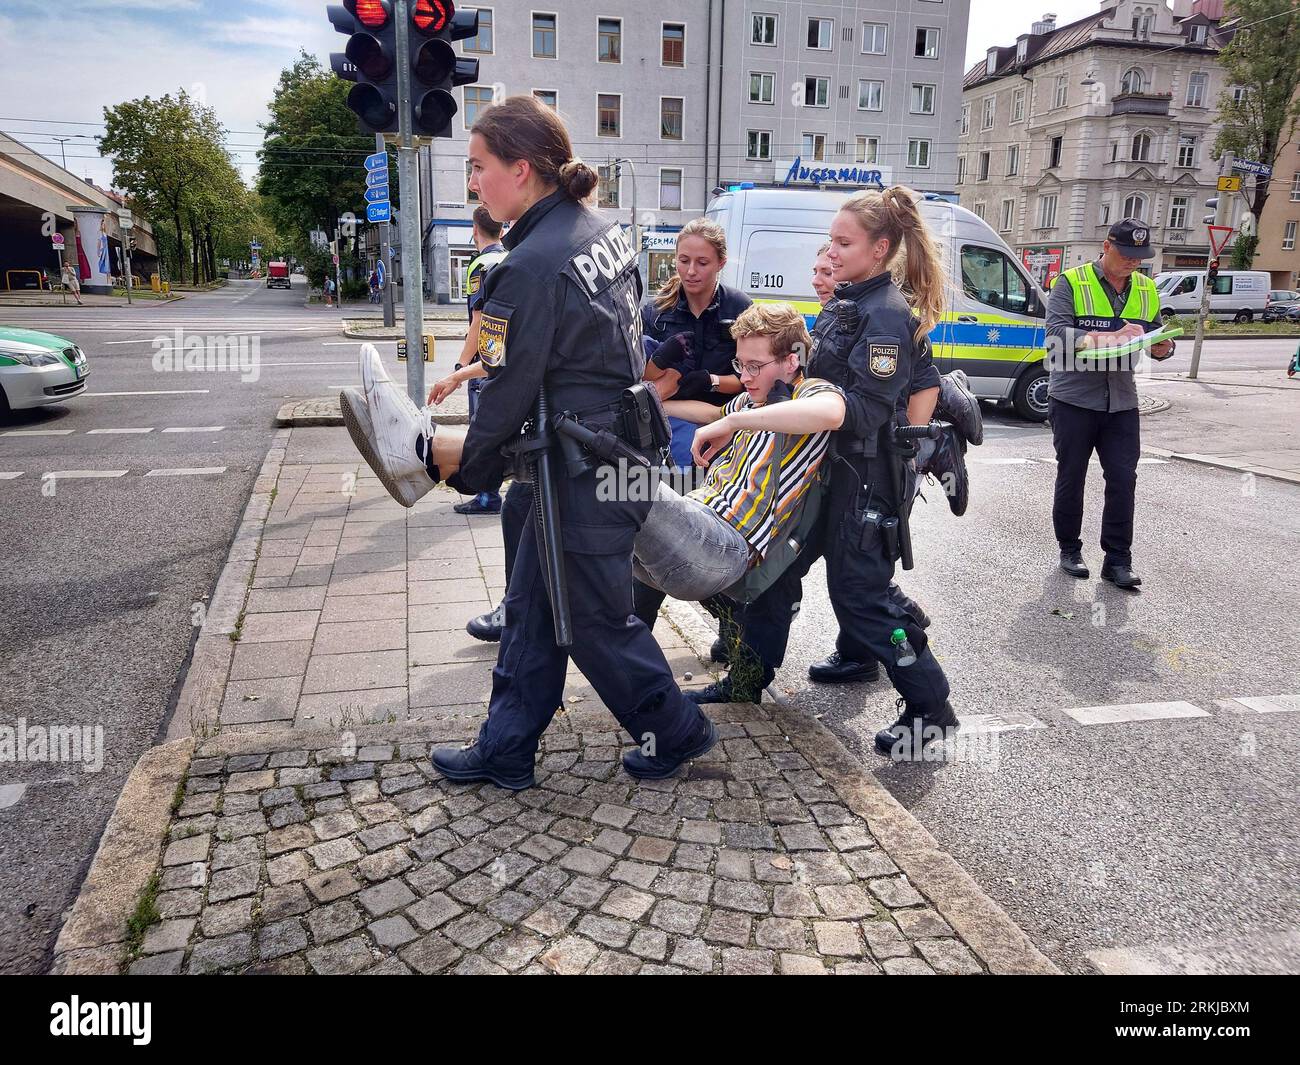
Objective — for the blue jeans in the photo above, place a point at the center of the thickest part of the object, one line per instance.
(686, 549)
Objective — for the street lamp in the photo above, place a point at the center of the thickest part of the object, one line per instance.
(636, 229)
(62, 150)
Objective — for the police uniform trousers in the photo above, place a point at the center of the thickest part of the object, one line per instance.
(612, 648)
(858, 575)
(1076, 433)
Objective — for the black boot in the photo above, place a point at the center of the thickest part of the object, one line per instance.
(467, 763)
(724, 691)
(1120, 574)
(656, 766)
(1073, 564)
(836, 670)
(719, 652)
(905, 739)
(487, 627)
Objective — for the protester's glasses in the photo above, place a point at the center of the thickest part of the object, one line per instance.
(751, 368)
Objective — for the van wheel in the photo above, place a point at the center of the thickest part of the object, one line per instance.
(1167, 314)
(1030, 396)
(1243, 316)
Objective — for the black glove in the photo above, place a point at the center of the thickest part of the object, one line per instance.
(695, 385)
(674, 354)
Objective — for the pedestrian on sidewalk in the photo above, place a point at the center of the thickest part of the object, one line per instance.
(72, 283)
(329, 291)
(554, 319)
(1294, 367)
(1093, 397)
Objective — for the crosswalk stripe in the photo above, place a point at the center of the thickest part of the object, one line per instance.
(114, 432)
(79, 474)
(156, 392)
(1005, 722)
(1122, 712)
(185, 471)
(1271, 704)
(39, 432)
(10, 476)
(195, 429)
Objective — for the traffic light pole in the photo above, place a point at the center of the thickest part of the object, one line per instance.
(408, 182)
(1220, 216)
(385, 256)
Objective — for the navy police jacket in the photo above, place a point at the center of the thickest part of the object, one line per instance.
(561, 310)
(713, 346)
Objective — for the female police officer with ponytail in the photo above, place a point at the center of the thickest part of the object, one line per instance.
(870, 347)
(561, 312)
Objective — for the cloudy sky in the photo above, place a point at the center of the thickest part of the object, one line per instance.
(79, 55)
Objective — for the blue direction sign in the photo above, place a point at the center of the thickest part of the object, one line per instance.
(379, 212)
(380, 272)
(1249, 166)
(378, 161)
(378, 194)
(377, 177)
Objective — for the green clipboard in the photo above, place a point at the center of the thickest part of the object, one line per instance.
(1146, 340)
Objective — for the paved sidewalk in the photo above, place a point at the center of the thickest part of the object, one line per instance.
(308, 832)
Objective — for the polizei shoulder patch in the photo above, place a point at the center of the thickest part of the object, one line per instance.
(492, 340)
(882, 359)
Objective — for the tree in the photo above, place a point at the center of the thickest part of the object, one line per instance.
(1263, 59)
(311, 159)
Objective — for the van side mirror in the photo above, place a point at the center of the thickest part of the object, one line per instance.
(1035, 306)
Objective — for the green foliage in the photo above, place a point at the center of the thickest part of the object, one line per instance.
(1243, 251)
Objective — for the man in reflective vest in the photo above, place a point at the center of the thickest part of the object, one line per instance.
(1092, 395)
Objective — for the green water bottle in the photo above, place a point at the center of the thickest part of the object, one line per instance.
(903, 653)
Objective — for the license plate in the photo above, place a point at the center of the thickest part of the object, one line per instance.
(81, 370)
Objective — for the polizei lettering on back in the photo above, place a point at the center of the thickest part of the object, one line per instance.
(605, 259)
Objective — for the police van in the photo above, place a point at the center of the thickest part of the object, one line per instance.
(993, 327)
(1238, 295)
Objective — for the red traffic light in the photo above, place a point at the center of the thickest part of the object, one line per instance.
(372, 14)
(432, 16)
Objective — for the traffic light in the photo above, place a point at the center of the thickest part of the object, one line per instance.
(369, 59)
(1211, 205)
(435, 67)
(1213, 271)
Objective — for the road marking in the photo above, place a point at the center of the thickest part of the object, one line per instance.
(1271, 704)
(354, 343)
(39, 432)
(195, 429)
(77, 474)
(1011, 721)
(158, 392)
(184, 471)
(343, 362)
(10, 794)
(1119, 712)
(10, 476)
(115, 432)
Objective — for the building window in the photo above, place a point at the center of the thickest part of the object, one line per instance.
(821, 33)
(609, 110)
(1187, 151)
(1104, 214)
(1018, 105)
(922, 99)
(1196, 88)
(1062, 86)
(867, 150)
(961, 170)
(762, 88)
(1295, 188)
(1141, 149)
(608, 187)
(965, 119)
(549, 97)
(477, 97)
(543, 36)
(758, 144)
(1142, 26)
(990, 112)
(871, 95)
(1054, 147)
(1022, 50)
(918, 153)
(1199, 34)
(674, 44)
(670, 118)
(875, 36)
(1008, 216)
(609, 38)
(670, 190)
(1239, 94)
(1288, 237)
(1135, 206)
(1047, 211)
(482, 41)
(982, 172)
(762, 30)
(814, 147)
(1013, 160)
(1178, 212)
(470, 195)
(927, 43)
(816, 92)
(978, 209)
(1133, 81)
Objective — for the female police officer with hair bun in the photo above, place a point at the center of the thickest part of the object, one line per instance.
(870, 346)
(560, 312)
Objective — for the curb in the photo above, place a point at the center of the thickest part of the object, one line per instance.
(1212, 461)
(93, 939)
(985, 927)
(312, 413)
(199, 702)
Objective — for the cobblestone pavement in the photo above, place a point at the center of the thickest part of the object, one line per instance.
(294, 859)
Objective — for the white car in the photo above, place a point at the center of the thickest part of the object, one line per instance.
(38, 368)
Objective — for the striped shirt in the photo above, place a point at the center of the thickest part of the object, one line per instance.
(739, 486)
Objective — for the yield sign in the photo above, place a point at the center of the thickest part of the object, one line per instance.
(1218, 237)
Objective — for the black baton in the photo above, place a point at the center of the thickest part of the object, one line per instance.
(546, 512)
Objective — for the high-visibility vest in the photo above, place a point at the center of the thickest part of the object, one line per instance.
(487, 260)
(1093, 309)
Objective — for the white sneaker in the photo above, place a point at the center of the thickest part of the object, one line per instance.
(385, 426)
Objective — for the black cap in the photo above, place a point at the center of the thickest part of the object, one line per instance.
(1131, 237)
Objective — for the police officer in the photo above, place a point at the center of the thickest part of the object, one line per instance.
(560, 312)
(871, 347)
(1093, 398)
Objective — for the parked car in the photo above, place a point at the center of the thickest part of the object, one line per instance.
(1280, 303)
(38, 368)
